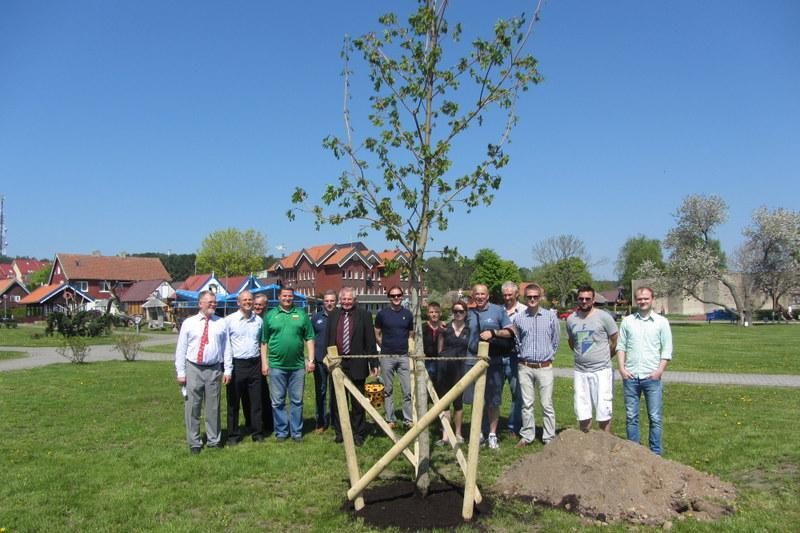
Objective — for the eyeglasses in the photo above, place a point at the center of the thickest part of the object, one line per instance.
(395, 296)
(584, 299)
(458, 311)
(532, 296)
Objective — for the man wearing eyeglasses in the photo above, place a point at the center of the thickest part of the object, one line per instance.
(592, 335)
(394, 327)
(200, 362)
(538, 335)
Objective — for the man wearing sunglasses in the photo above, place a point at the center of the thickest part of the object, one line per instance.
(394, 326)
(592, 335)
(539, 335)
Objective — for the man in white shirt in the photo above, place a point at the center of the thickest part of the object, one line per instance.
(244, 340)
(199, 361)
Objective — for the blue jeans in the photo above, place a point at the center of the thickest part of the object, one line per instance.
(652, 390)
(281, 383)
(510, 372)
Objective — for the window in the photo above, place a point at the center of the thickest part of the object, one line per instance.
(361, 275)
(82, 286)
(16, 297)
(105, 286)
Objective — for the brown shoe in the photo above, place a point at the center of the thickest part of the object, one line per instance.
(319, 430)
(522, 443)
(512, 435)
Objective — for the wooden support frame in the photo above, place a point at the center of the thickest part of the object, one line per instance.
(476, 375)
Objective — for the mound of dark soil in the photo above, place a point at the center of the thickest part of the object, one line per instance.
(601, 476)
(397, 505)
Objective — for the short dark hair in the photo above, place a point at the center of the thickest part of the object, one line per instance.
(586, 288)
(435, 305)
(284, 289)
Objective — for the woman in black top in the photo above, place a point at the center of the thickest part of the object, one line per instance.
(453, 341)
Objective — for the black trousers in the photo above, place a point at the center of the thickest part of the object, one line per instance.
(358, 420)
(246, 382)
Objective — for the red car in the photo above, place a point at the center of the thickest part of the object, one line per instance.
(564, 314)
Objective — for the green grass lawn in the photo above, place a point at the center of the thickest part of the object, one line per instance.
(701, 347)
(160, 348)
(101, 446)
(12, 355)
(33, 336)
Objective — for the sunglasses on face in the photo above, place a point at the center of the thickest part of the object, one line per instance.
(458, 311)
(395, 296)
(584, 299)
(532, 296)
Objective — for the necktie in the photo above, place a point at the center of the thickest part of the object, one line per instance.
(346, 334)
(203, 342)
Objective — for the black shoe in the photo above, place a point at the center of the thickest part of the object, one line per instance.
(195, 450)
(232, 442)
(359, 440)
(297, 439)
(339, 439)
(258, 438)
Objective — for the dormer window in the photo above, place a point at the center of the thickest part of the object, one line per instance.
(105, 286)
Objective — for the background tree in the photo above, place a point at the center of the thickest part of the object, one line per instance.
(631, 256)
(40, 277)
(696, 259)
(449, 272)
(231, 252)
(563, 266)
(179, 266)
(771, 252)
(401, 179)
(560, 279)
(492, 270)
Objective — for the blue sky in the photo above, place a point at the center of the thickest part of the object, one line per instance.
(143, 126)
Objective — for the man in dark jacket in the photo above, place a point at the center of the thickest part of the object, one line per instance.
(350, 329)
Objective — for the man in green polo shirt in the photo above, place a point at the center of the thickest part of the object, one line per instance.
(286, 330)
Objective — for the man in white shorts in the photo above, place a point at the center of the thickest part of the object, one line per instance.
(592, 336)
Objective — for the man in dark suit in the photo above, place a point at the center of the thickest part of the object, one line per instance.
(350, 329)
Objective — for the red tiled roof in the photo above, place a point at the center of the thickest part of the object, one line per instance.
(99, 267)
(6, 271)
(140, 291)
(233, 283)
(7, 284)
(29, 266)
(193, 283)
(39, 294)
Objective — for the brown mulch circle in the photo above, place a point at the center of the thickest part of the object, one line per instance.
(601, 476)
(398, 505)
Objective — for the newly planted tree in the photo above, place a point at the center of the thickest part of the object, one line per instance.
(401, 179)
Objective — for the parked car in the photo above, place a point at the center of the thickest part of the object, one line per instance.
(564, 314)
(721, 314)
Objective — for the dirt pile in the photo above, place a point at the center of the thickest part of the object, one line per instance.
(607, 478)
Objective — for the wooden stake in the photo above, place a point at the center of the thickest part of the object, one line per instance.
(470, 484)
(333, 360)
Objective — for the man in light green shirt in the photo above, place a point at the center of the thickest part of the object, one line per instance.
(643, 352)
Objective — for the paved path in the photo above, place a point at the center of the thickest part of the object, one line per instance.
(47, 356)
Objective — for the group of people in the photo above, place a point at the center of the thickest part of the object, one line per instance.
(261, 356)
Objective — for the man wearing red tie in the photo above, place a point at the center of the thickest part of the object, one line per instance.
(200, 362)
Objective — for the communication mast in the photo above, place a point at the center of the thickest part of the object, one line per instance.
(3, 229)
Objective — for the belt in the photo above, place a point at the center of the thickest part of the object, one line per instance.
(529, 364)
(203, 366)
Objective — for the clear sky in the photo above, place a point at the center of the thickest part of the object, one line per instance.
(143, 126)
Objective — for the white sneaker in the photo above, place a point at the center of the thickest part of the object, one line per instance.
(493, 444)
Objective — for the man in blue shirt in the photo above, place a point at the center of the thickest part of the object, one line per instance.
(320, 322)
(644, 351)
(486, 322)
(394, 326)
